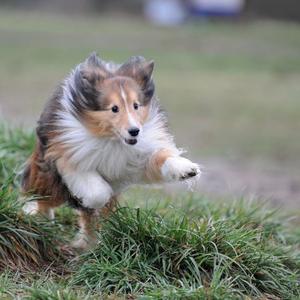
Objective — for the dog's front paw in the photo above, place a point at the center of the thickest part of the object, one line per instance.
(179, 168)
(93, 191)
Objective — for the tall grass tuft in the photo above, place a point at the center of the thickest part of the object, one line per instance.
(25, 242)
(142, 251)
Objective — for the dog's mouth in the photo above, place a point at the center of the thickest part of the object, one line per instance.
(131, 141)
(126, 140)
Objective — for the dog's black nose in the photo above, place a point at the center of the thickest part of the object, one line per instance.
(134, 131)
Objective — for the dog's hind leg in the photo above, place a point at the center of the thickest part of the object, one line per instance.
(46, 207)
(42, 207)
(41, 178)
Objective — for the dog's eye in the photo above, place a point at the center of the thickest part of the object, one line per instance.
(115, 109)
(135, 106)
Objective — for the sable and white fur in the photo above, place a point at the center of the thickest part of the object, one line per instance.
(85, 154)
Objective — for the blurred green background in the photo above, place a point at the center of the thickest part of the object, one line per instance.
(231, 87)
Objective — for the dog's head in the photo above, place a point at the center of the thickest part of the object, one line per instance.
(114, 103)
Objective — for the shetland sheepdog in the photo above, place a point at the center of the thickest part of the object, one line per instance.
(101, 131)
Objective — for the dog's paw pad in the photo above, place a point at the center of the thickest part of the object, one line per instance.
(190, 173)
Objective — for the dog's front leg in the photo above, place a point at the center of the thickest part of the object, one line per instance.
(93, 191)
(95, 194)
(88, 186)
(166, 166)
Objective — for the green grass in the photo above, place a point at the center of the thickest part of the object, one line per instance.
(25, 243)
(140, 250)
(153, 247)
(15, 148)
(231, 89)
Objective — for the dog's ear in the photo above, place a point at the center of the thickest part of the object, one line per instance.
(89, 76)
(141, 71)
